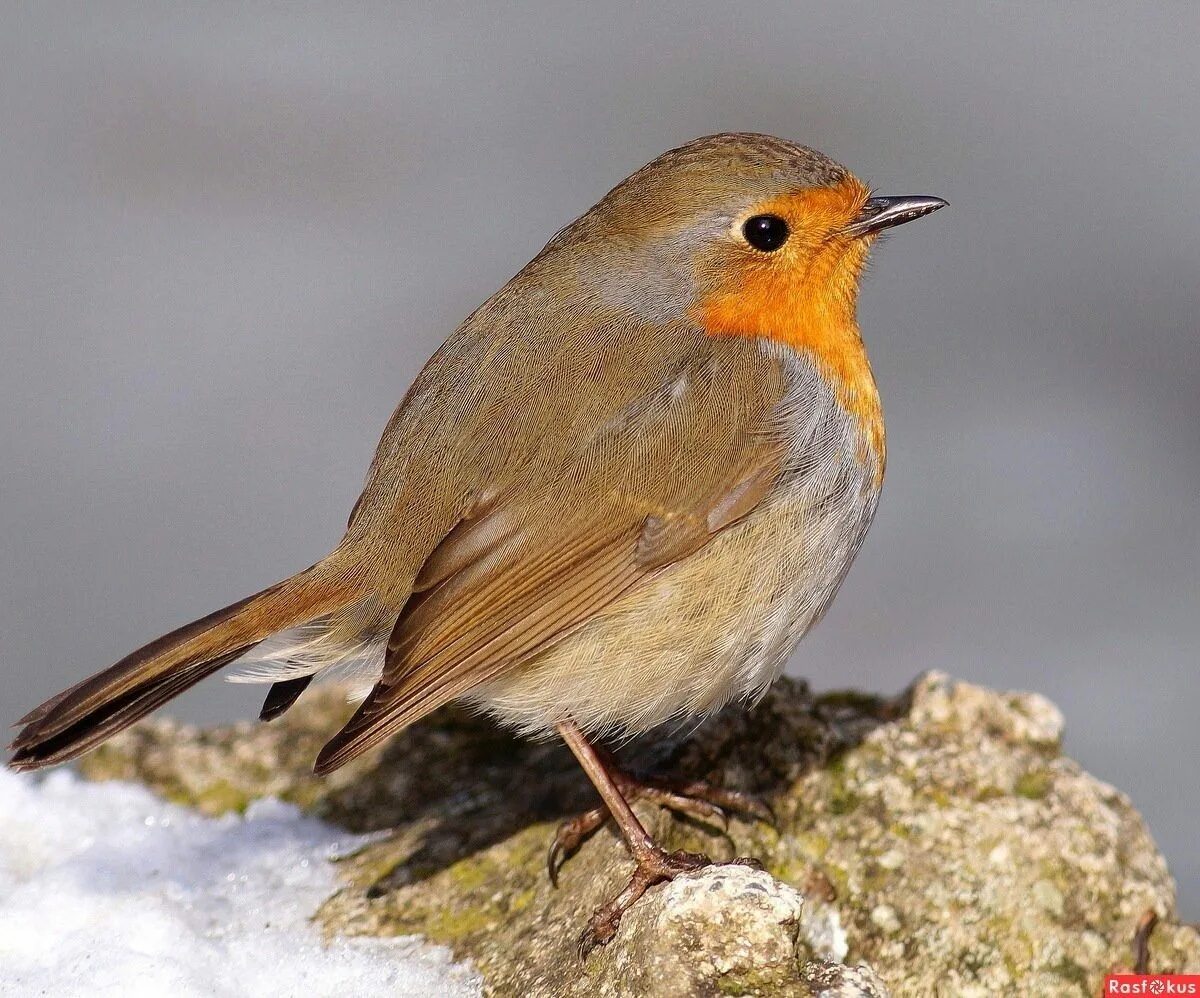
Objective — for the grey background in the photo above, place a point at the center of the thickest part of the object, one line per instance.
(230, 239)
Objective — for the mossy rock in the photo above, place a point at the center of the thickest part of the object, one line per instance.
(937, 842)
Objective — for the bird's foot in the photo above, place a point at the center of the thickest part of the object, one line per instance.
(693, 798)
(653, 868)
(657, 866)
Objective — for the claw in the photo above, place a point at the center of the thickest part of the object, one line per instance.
(695, 799)
(650, 870)
(652, 865)
(730, 800)
(697, 807)
(570, 836)
(762, 811)
(594, 936)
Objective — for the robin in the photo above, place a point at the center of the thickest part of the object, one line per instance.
(617, 496)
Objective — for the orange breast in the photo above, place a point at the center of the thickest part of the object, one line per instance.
(805, 296)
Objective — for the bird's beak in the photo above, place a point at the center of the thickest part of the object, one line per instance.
(881, 213)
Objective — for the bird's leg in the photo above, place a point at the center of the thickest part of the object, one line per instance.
(652, 863)
(694, 798)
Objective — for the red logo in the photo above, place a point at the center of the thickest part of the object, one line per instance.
(1151, 984)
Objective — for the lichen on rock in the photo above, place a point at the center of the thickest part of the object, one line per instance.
(937, 842)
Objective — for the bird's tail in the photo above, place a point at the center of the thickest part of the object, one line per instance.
(80, 718)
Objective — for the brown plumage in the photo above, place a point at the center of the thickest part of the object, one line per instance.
(617, 495)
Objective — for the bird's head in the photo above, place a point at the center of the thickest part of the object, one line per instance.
(743, 234)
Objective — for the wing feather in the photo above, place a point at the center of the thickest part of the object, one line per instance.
(651, 486)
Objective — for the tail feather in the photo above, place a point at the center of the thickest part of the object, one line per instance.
(80, 718)
(282, 695)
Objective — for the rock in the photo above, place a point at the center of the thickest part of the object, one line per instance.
(731, 925)
(938, 843)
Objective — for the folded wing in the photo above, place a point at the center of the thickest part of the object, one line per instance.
(691, 452)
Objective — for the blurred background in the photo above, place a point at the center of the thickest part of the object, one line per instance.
(231, 238)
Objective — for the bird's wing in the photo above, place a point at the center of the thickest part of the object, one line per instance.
(690, 451)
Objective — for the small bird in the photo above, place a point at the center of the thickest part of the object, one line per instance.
(617, 496)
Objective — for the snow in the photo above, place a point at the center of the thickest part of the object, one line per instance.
(106, 889)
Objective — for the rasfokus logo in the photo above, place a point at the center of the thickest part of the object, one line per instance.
(1151, 984)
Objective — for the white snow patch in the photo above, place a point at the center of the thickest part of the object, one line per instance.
(107, 889)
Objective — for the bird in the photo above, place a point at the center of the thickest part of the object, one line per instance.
(616, 497)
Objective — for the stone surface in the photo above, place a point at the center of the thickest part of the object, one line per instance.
(936, 843)
(727, 927)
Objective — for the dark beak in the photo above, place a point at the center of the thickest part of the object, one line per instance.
(882, 213)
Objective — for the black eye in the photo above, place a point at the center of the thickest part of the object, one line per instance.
(765, 232)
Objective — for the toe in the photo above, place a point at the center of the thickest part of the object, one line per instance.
(736, 801)
(694, 807)
(598, 933)
(570, 836)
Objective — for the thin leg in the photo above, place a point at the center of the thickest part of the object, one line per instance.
(652, 865)
(694, 798)
(632, 831)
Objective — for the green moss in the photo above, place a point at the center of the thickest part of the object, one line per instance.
(453, 925)
(522, 900)
(106, 763)
(741, 988)
(843, 801)
(840, 878)
(1034, 784)
(815, 844)
(222, 797)
(767, 980)
(449, 925)
(1073, 973)
(306, 796)
(470, 873)
(873, 877)
(976, 959)
(936, 794)
(842, 797)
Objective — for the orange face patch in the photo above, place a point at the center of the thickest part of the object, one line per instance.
(805, 295)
